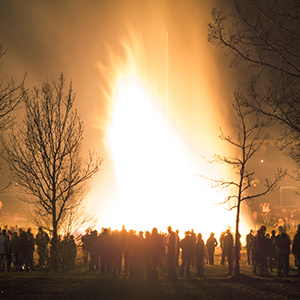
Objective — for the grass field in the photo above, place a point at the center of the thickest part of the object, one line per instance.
(82, 284)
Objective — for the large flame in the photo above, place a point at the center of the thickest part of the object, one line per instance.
(152, 164)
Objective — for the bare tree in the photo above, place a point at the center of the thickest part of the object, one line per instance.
(10, 97)
(44, 156)
(78, 220)
(75, 221)
(265, 36)
(248, 141)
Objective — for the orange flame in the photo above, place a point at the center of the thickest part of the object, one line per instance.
(152, 162)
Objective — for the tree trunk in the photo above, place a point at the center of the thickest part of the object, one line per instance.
(237, 240)
(53, 252)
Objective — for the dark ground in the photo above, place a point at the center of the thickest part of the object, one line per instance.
(82, 284)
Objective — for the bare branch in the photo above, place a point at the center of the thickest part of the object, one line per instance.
(44, 154)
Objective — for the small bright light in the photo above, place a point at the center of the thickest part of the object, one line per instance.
(261, 160)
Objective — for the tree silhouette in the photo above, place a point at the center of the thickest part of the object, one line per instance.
(248, 141)
(265, 36)
(10, 97)
(44, 156)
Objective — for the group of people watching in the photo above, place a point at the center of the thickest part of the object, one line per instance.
(143, 253)
(17, 250)
(266, 252)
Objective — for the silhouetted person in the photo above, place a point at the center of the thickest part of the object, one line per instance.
(124, 248)
(261, 250)
(29, 250)
(67, 250)
(296, 248)
(84, 241)
(140, 254)
(171, 253)
(147, 255)
(269, 252)
(104, 248)
(93, 249)
(211, 244)
(42, 240)
(23, 255)
(14, 250)
(222, 248)
(72, 250)
(194, 237)
(4, 239)
(157, 249)
(187, 246)
(249, 247)
(228, 248)
(177, 248)
(273, 254)
(282, 249)
(116, 252)
(199, 253)
(133, 241)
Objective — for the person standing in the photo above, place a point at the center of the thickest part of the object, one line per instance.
(199, 253)
(104, 240)
(261, 249)
(14, 250)
(171, 253)
(273, 260)
(282, 249)
(177, 248)
(93, 250)
(157, 248)
(296, 248)
(29, 250)
(84, 242)
(222, 247)
(228, 248)
(194, 237)
(187, 246)
(4, 239)
(42, 240)
(249, 247)
(211, 244)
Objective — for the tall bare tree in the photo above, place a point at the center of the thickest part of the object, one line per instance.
(44, 155)
(265, 36)
(248, 141)
(10, 97)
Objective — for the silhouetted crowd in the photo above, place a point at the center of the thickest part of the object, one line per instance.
(143, 254)
(138, 254)
(267, 252)
(17, 249)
